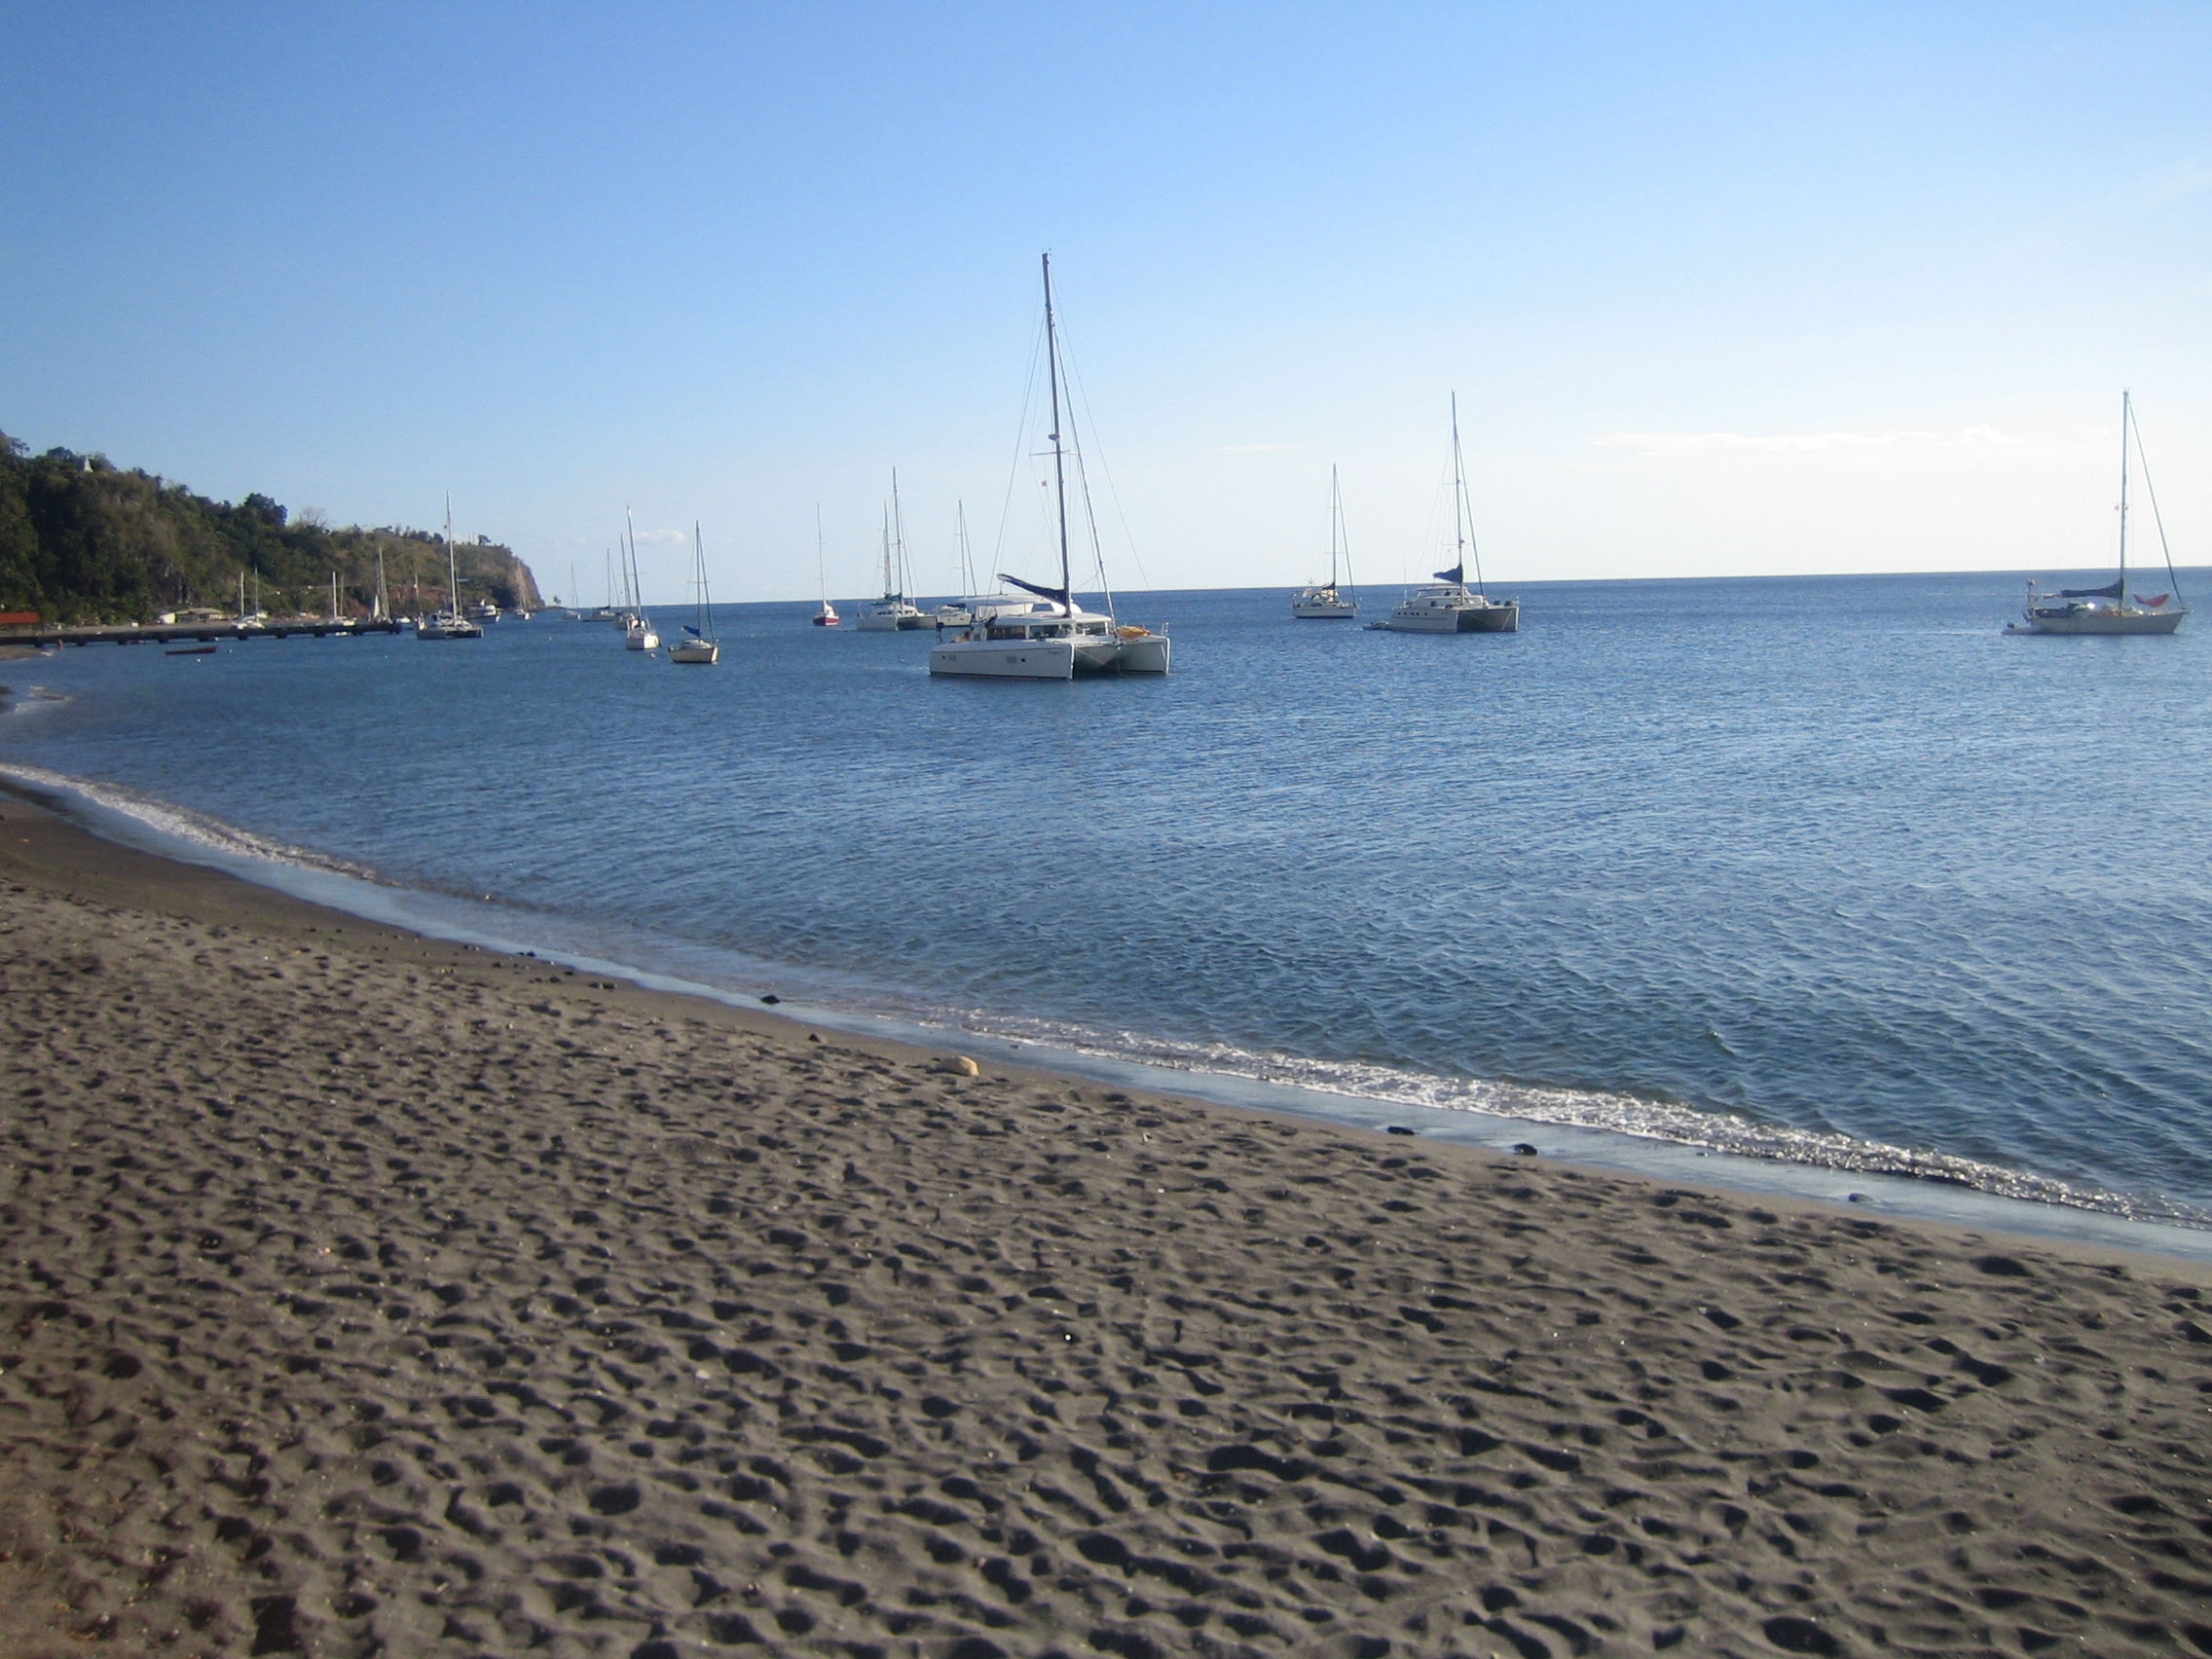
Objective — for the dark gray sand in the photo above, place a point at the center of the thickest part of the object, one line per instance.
(364, 1295)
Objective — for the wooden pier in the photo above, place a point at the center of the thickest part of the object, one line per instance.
(167, 633)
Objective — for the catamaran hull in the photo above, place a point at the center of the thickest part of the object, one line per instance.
(2108, 622)
(1487, 619)
(1051, 659)
(1006, 659)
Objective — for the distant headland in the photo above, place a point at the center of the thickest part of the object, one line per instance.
(84, 540)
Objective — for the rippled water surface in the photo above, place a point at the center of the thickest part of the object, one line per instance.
(1812, 858)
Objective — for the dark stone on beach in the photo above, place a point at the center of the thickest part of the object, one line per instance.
(1522, 1149)
(1396, 1129)
(1800, 1635)
(771, 999)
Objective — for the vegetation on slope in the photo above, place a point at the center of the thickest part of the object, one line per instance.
(83, 540)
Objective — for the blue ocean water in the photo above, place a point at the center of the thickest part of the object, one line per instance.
(1823, 869)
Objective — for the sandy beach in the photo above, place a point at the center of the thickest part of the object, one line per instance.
(368, 1294)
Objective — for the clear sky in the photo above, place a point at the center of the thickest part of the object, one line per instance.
(1722, 288)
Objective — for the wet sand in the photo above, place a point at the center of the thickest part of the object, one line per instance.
(367, 1295)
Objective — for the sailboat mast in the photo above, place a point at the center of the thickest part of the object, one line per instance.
(699, 565)
(453, 573)
(1336, 524)
(967, 562)
(2126, 414)
(632, 600)
(1059, 460)
(898, 538)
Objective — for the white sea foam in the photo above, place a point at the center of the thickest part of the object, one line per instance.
(1630, 1115)
(180, 828)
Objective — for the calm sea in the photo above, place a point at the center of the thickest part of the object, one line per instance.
(1825, 869)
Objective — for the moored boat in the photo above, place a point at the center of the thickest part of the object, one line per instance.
(2106, 610)
(1329, 601)
(448, 623)
(1450, 606)
(1051, 638)
(698, 645)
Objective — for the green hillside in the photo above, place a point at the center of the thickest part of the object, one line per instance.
(82, 540)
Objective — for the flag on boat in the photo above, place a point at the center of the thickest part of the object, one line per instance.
(2111, 592)
(2152, 604)
(1457, 574)
(1060, 594)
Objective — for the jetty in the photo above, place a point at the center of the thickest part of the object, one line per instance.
(166, 633)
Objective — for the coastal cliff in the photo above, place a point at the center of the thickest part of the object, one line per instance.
(84, 540)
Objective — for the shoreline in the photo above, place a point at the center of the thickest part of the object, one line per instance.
(369, 1293)
(1708, 1148)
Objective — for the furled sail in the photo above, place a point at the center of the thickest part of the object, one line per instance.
(1052, 593)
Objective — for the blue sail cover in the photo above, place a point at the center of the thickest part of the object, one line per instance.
(2111, 592)
(1060, 594)
(1457, 574)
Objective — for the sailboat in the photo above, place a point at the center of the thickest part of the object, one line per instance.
(894, 610)
(960, 612)
(2106, 610)
(637, 627)
(827, 615)
(1049, 637)
(448, 623)
(1450, 606)
(1321, 601)
(698, 645)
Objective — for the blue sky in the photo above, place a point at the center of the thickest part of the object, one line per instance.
(1721, 288)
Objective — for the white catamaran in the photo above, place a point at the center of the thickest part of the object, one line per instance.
(894, 611)
(1451, 606)
(2106, 610)
(448, 623)
(1326, 602)
(1049, 637)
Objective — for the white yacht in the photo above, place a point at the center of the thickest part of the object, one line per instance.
(826, 616)
(1450, 606)
(697, 644)
(1052, 637)
(638, 633)
(2106, 610)
(1047, 639)
(448, 623)
(894, 611)
(1328, 601)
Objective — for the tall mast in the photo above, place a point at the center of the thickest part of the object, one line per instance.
(967, 564)
(1059, 462)
(1336, 524)
(632, 600)
(897, 543)
(453, 574)
(2126, 414)
(699, 564)
(821, 564)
